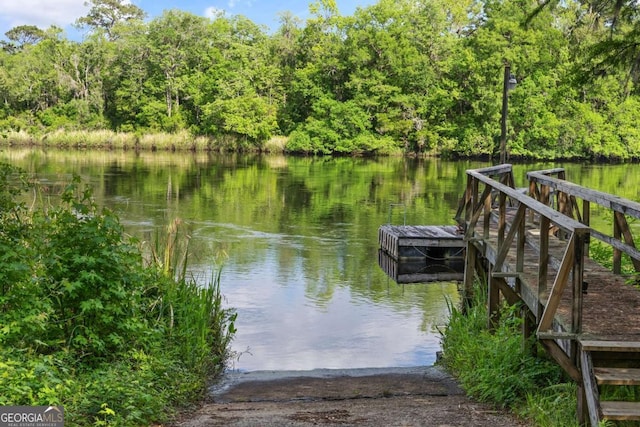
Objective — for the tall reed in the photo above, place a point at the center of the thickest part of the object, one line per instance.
(199, 325)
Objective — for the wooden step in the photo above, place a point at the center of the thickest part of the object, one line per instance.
(619, 346)
(612, 410)
(617, 376)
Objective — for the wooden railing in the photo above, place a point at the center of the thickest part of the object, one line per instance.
(492, 200)
(564, 199)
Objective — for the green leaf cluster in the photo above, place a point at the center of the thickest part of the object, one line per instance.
(86, 323)
(396, 76)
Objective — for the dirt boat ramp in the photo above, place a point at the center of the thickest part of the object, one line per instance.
(419, 396)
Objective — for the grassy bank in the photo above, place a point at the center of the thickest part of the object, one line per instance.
(496, 368)
(87, 322)
(106, 139)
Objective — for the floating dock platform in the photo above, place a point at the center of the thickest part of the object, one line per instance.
(421, 254)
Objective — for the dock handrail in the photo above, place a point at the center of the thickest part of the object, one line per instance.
(503, 225)
(621, 240)
(570, 268)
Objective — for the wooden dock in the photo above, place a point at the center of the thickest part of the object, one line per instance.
(421, 254)
(534, 249)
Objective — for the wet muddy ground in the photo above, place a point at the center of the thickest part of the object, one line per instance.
(424, 396)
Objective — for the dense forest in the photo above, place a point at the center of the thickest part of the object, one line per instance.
(398, 76)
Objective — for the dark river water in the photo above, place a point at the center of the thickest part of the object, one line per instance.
(296, 239)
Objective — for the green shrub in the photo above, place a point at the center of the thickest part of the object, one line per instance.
(86, 324)
(496, 367)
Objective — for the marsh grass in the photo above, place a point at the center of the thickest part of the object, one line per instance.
(497, 368)
(17, 138)
(90, 139)
(276, 144)
(156, 141)
(201, 327)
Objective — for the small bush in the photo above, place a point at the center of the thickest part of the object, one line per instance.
(495, 367)
(86, 324)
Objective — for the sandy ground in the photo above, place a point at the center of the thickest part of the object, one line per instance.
(424, 396)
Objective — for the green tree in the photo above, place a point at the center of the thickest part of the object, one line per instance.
(21, 36)
(242, 92)
(104, 15)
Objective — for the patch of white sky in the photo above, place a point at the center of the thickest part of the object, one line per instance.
(41, 13)
(63, 13)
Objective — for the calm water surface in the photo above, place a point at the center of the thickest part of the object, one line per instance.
(297, 242)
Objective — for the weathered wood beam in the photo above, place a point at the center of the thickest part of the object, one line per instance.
(469, 274)
(509, 294)
(618, 244)
(558, 286)
(625, 230)
(609, 201)
(563, 360)
(478, 209)
(562, 221)
(543, 260)
(487, 216)
(590, 388)
(503, 249)
(578, 282)
(493, 302)
(502, 217)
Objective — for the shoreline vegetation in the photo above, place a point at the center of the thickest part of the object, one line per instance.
(110, 140)
(183, 141)
(396, 77)
(500, 368)
(93, 320)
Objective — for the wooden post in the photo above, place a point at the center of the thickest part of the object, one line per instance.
(627, 236)
(578, 277)
(474, 196)
(586, 220)
(493, 302)
(544, 194)
(543, 262)
(486, 224)
(503, 116)
(520, 243)
(528, 328)
(533, 192)
(502, 217)
(469, 274)
(617, 253)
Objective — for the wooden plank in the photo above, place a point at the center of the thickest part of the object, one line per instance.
(621, 220)
(469, 274)
(617, 376)
(578, 279)
(556, 217)
(543, 259)
(506, 243)
(620, 411)
(553, 335)
(590, 388)
(563, 360)
(552, 171)
(609, 201)
(558, 286)
(619, 346)
(426, 243)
